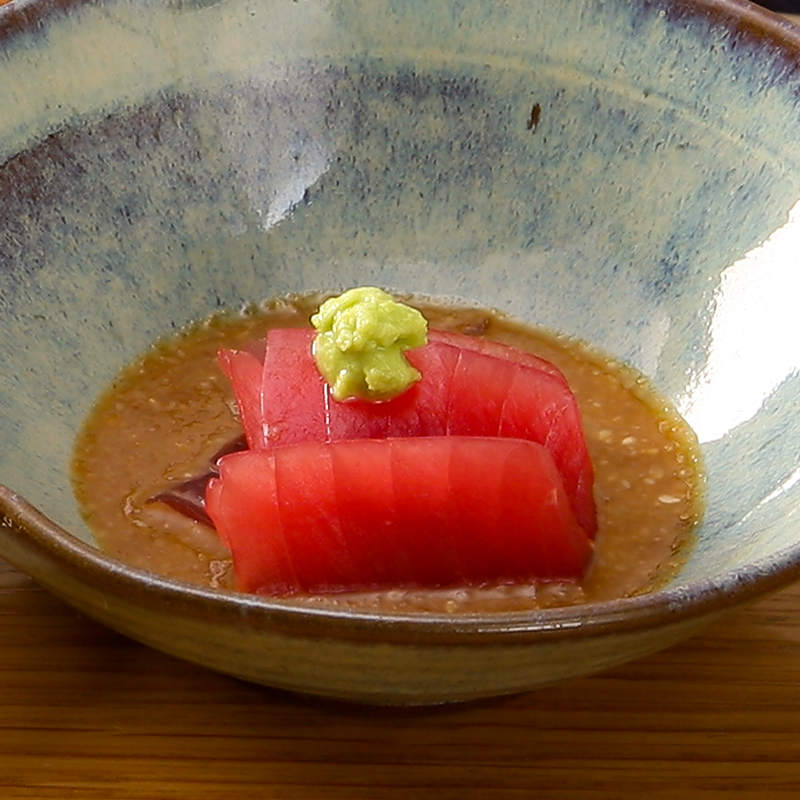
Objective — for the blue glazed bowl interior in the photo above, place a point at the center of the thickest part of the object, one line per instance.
(624, 172)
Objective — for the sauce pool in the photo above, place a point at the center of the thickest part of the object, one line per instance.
(169, 411)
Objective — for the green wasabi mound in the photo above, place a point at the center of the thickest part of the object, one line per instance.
(362, 335)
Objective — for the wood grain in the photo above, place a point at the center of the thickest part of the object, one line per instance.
(85, 713)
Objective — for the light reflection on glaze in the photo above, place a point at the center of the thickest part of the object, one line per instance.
(786, 486)
(755, 335)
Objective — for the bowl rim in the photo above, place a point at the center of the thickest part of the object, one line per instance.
(742, 16)
(745, 16)
(45, 550)
(43, 542)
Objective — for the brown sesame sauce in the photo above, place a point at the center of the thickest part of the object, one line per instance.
(168, 412)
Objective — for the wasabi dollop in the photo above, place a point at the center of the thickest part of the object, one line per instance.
(359, 349)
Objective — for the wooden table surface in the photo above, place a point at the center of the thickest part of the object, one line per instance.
(86, 713)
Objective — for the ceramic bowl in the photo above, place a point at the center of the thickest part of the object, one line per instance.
(625, 171)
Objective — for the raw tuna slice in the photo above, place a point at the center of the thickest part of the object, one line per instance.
(468, 388)
(413, 512)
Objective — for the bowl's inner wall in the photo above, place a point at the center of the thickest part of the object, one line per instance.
(384, 150)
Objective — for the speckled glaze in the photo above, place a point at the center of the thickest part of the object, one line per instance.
(162, 160)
